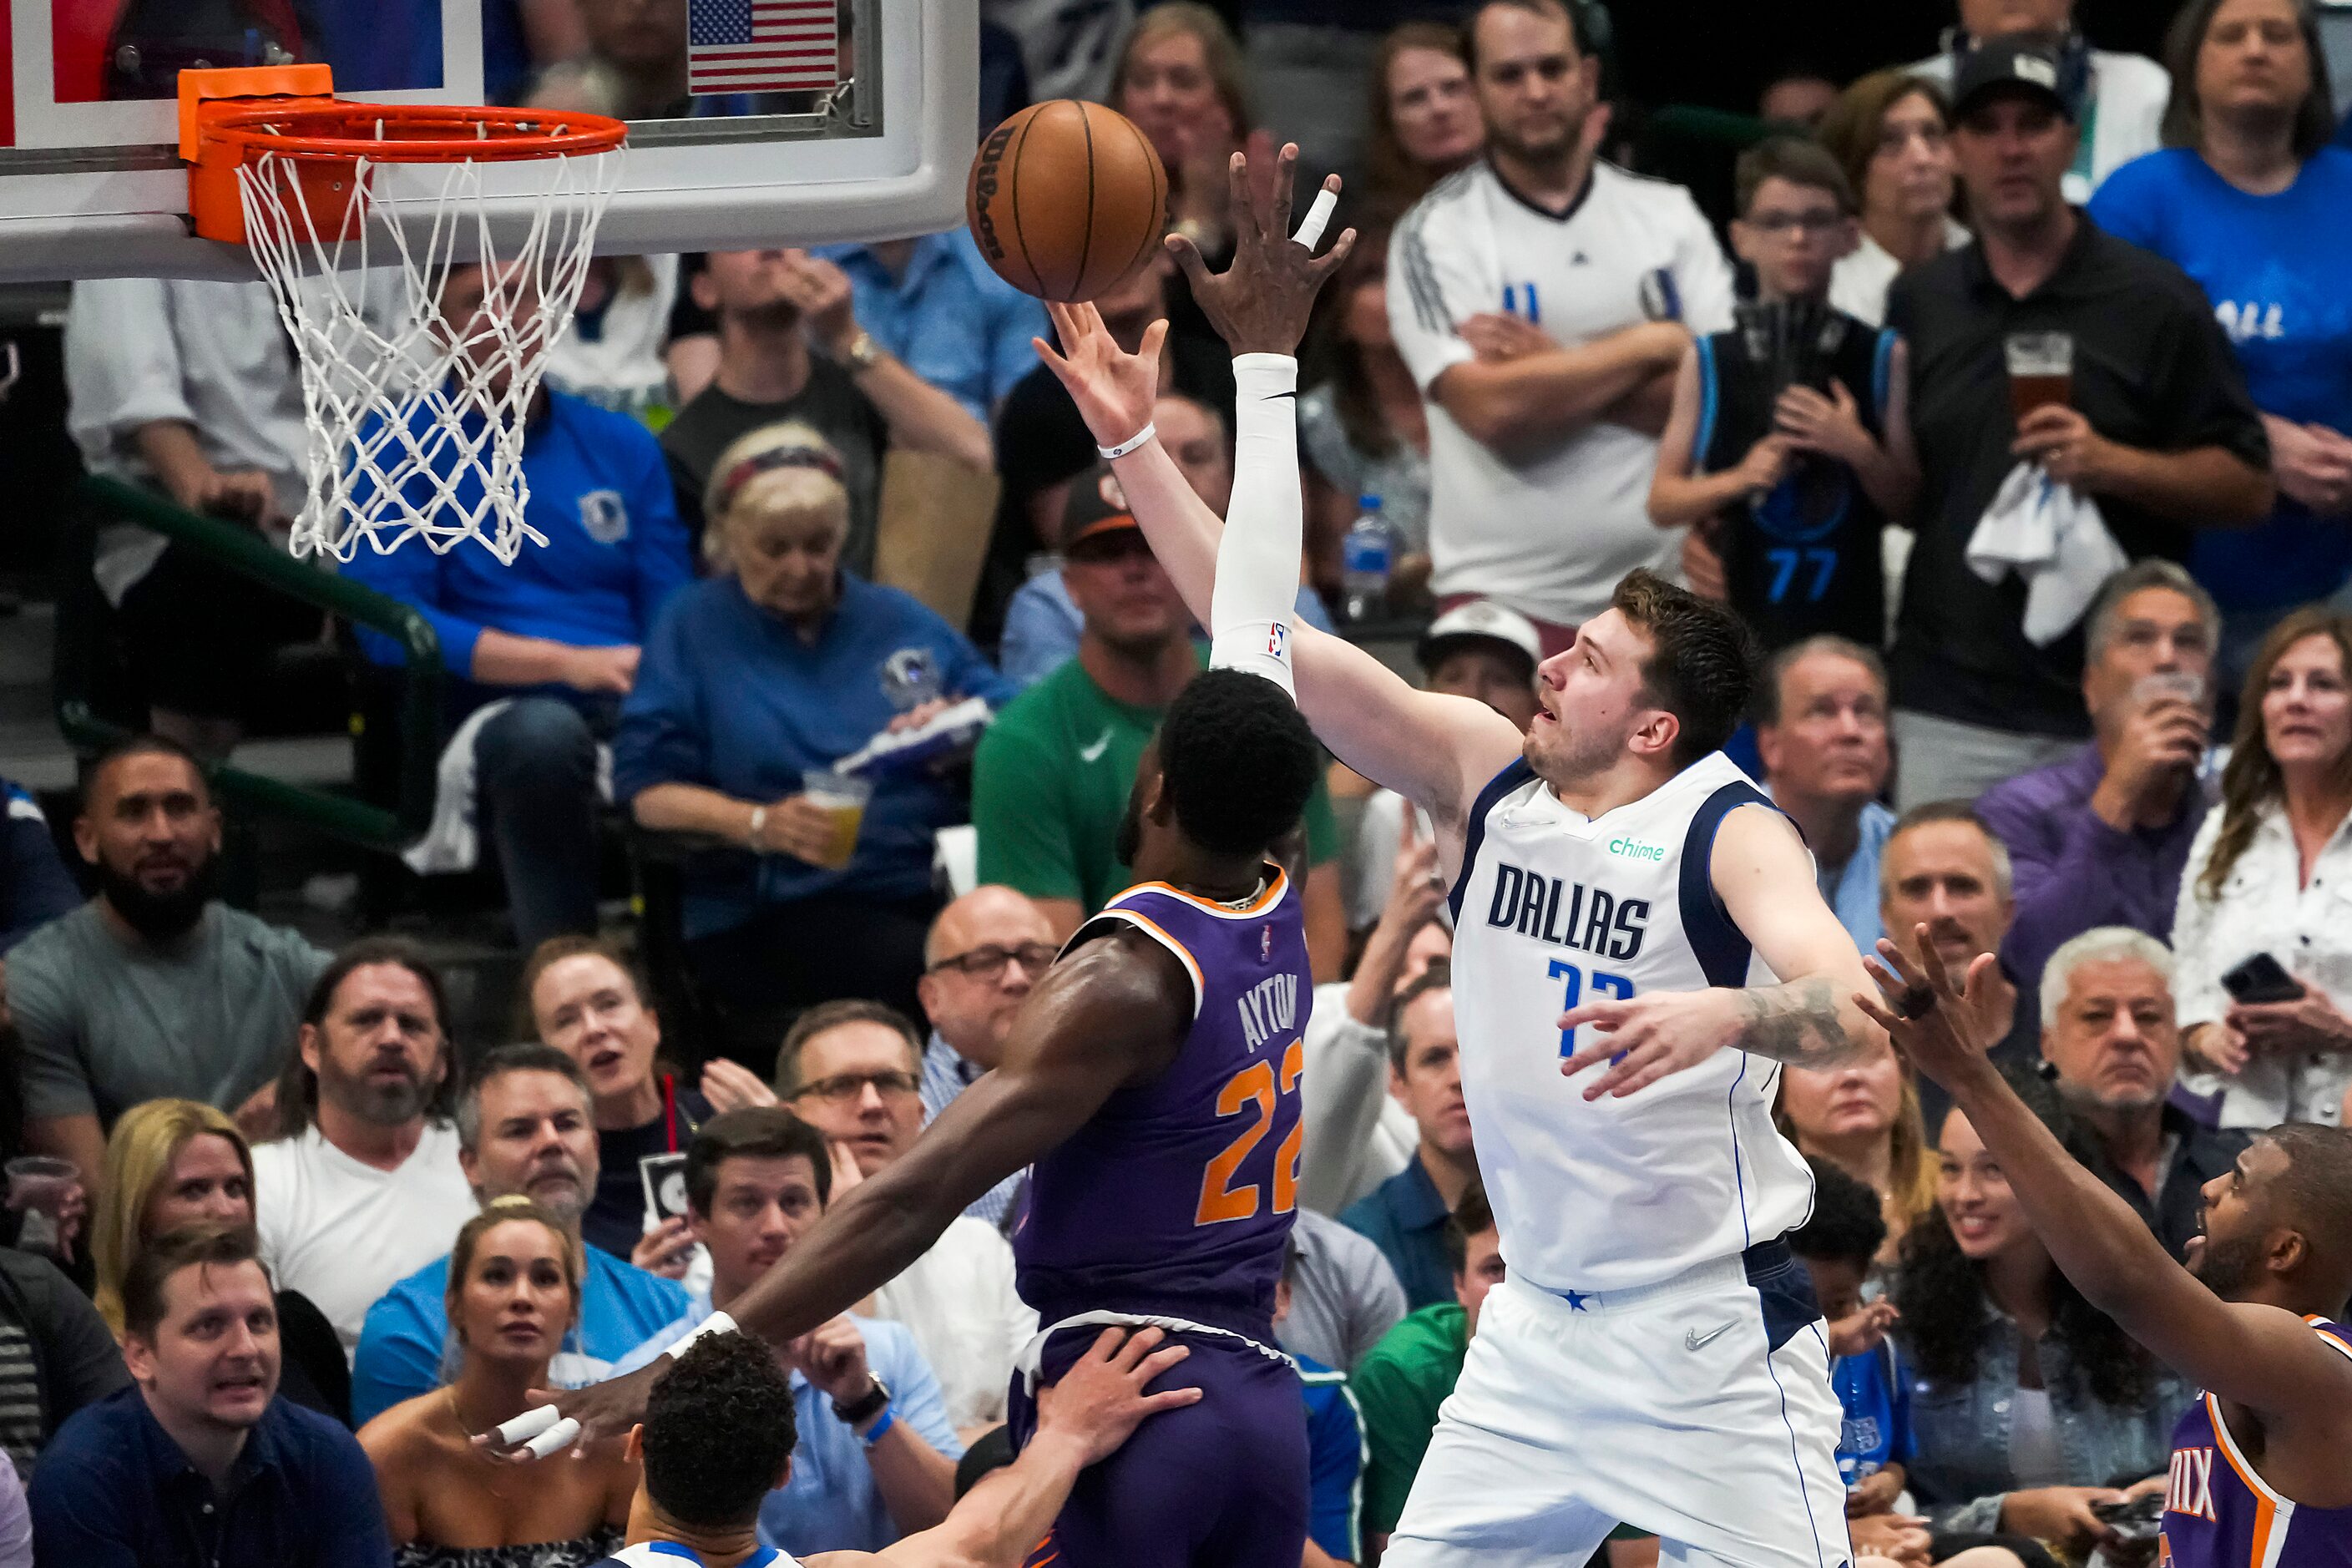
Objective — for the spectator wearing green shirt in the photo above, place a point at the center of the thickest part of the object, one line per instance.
(1400, 1384)
(1051, 780)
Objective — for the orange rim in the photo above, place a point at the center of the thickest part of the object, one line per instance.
(414, 134)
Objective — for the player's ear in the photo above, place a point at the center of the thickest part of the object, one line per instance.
(1159, 800)
(633, 1446)
(1656, 734)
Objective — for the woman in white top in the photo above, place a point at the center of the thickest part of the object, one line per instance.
(1891, 130)
(2270, 872)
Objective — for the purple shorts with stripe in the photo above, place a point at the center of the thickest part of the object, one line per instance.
(1220, 1484)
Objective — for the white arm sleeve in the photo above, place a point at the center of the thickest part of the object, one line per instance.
(1257, 558)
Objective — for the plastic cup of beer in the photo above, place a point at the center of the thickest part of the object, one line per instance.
(2041, 370)
(842, 796)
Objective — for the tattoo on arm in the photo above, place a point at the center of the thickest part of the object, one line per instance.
(1798, 1022)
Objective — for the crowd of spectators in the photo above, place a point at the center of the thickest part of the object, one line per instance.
(2011, 404)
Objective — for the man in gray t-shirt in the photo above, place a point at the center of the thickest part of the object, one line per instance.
(153, 988)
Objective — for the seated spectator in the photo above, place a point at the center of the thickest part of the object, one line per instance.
(362, 1186)
(612, 355)
(544, 648)
(176, 1163)
(1182, 77)
(1043, 625)
(771, 308)
(2156, 431)
(1343, 1296)
(1840, 1247)
(1797, 95)
(2029, 1402)
(35, 886)
(2100, 839)
(1861, 1119)
(2109, 1036)
(876, 1456)
(2122, 97)
(781, 665)
(513, 1296)
(1539, 408)
(1890, 131)
(190, 388)
(525, 1127)
(1821, 727)
(2249, 200)
(56, 1355)
(982, 957)
(201, 1463)
(1406, 1214)
(1362, 429)
(1335, 1442)
(853, 1070)
(581, 996)
(1042, 446)
(1792, 460)
(720, 1429)
(2267, 875)
(1423, 116)
(948, 319)
(1051, 780)
(153, 989)
(1944, 868)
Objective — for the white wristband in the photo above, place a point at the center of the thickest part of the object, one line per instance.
(717, 1323)
(1318, 216)
(1112, 454)
(759, 823)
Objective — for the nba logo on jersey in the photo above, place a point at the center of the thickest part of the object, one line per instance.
(1264, 943)
(1277, 637)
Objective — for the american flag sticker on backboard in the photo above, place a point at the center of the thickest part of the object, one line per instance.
(761, 45)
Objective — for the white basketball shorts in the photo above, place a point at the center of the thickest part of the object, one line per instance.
(1699, 1409)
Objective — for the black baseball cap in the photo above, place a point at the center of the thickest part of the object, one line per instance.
(1097, 507)
(2019, 64)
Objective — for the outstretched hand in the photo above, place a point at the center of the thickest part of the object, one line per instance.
(1114, 390)
(1102, 1399)
(1933, 1024)
(1261, 302)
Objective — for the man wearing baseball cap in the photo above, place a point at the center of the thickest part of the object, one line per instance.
(2148, 419)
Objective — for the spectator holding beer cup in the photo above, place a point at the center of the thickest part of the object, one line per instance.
(803, 883)
(2049, 345)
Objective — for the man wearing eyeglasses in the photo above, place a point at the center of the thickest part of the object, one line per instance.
(984, 952)
(854, 1070)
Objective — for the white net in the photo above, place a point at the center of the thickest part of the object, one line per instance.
(416, 402)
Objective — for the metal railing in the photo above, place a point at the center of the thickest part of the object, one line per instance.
(243, 551)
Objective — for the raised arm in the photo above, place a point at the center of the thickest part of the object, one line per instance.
(2259, 1356)
(1764, 879)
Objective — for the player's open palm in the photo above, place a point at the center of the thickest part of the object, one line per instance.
(1114, 390)
(1933, 1023)
(1260, 303)
(1102, 1399)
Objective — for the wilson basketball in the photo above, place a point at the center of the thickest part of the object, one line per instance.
(1065, 199)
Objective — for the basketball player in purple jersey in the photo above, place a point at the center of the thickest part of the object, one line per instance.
(1152, 1084)
(2261, 1463)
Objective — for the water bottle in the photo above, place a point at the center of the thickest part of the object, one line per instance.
(1367, 557)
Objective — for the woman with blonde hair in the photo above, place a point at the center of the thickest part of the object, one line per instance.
(2262, 935)
(1183, 78)
(1863, 1117)
(755, 684)
(172, 1163)
(513, 1293)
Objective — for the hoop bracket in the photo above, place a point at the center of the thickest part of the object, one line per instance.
(207, 97)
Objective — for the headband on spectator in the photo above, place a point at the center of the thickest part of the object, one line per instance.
(768, 462)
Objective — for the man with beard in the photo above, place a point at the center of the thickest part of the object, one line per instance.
(2110, 1037)
(1543, 300)
(362, 1185)
(526, 1126)
(153, 989)
(2258, 1473)
(773, 308)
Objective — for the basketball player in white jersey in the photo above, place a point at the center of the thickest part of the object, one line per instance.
(1640, 948)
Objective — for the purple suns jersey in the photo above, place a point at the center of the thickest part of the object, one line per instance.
(2217, 1514)
(1175, 1198)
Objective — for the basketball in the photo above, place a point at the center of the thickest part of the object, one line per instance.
(1065, 199)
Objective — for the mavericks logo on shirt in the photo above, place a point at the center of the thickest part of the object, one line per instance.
(604, 516)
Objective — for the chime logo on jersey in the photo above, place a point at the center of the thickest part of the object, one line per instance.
(1567, 914)
(2189, 1488)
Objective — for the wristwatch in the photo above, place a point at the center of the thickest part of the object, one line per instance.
(863, 352)
(867, 1405)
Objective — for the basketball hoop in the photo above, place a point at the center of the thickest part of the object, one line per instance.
(357, 214)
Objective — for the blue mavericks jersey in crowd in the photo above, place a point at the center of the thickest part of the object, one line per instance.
(1176, 1198)
(1875, 1394)
(2217, 1514)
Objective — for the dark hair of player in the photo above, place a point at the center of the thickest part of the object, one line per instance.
(2313, 1196)
(718, 1430)
(1471, 1216)
(1847, 1225)
(1702, 664)
(1239, 762)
